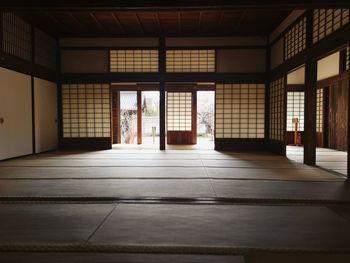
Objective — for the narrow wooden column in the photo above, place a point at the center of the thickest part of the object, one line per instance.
(194, 116)
(139, 117)
(310, 112)
(348, 131)
(310, 96)
(162, 71)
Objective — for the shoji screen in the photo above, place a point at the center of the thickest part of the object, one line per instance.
(16, 36)
(86, 110)
(277, 110)
(295, 39)
(240, 111)
(326, 21)
(190, 60)
(134, 60)
(45, 49)
(179, 111)
(319, 111)
(295, 109)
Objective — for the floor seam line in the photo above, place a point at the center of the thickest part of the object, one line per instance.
(208, 178)
(100, 225)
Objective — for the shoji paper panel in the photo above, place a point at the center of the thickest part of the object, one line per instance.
(134, 60)
(86, 110)
(295, 40)
(179, 111)
(45, 49)
(277, 90)
(190, 60)
(326, 21)
(240, 111)
(295, 109)
(319, 111)
(16, 36)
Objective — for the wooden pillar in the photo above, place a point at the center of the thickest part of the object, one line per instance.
(139, 117)
(162, 71)
(310, 112)
(348, 128)
(194, 116)
(310, 96)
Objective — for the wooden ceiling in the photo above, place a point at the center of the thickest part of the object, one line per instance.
(157, 23)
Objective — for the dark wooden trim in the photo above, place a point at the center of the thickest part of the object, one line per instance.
(33, 113)
(285, 111)
(277, 147)
(139, 117)
(253, 78)
(267, 92)
(153, 5)
(295, 87)
(86, 143)
(240, 144)
(108, 48)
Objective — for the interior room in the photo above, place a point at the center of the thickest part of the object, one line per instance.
(187, 131)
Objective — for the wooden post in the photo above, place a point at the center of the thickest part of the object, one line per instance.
(194, 116)
(348, 128)
(310, 112)
(310, 97)
(139, 117)
(162, 71)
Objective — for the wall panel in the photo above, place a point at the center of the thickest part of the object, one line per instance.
(16, 110)
(84, 61)
(45, 105)
(240, 60)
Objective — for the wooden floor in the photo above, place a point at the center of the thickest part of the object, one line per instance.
(328, 159)
(144, 205)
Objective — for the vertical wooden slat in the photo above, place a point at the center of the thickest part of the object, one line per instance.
(139, 117)
(194, 117)
(162, 61)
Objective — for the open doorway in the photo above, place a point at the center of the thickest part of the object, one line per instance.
(205, 119)
(150, 117)
(128, 117)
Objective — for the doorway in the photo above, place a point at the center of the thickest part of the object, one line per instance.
(205, 119)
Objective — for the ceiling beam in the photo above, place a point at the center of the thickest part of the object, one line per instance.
(167, 4)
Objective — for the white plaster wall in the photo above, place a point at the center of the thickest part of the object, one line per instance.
(328, 66)
(277, 54)
(16, 109)
(296, 76)
(45, 107)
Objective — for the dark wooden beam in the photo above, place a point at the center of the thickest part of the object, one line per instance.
(139, 23)
(194, 116)
(167, 77)
(124, 5)
(117, 20)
